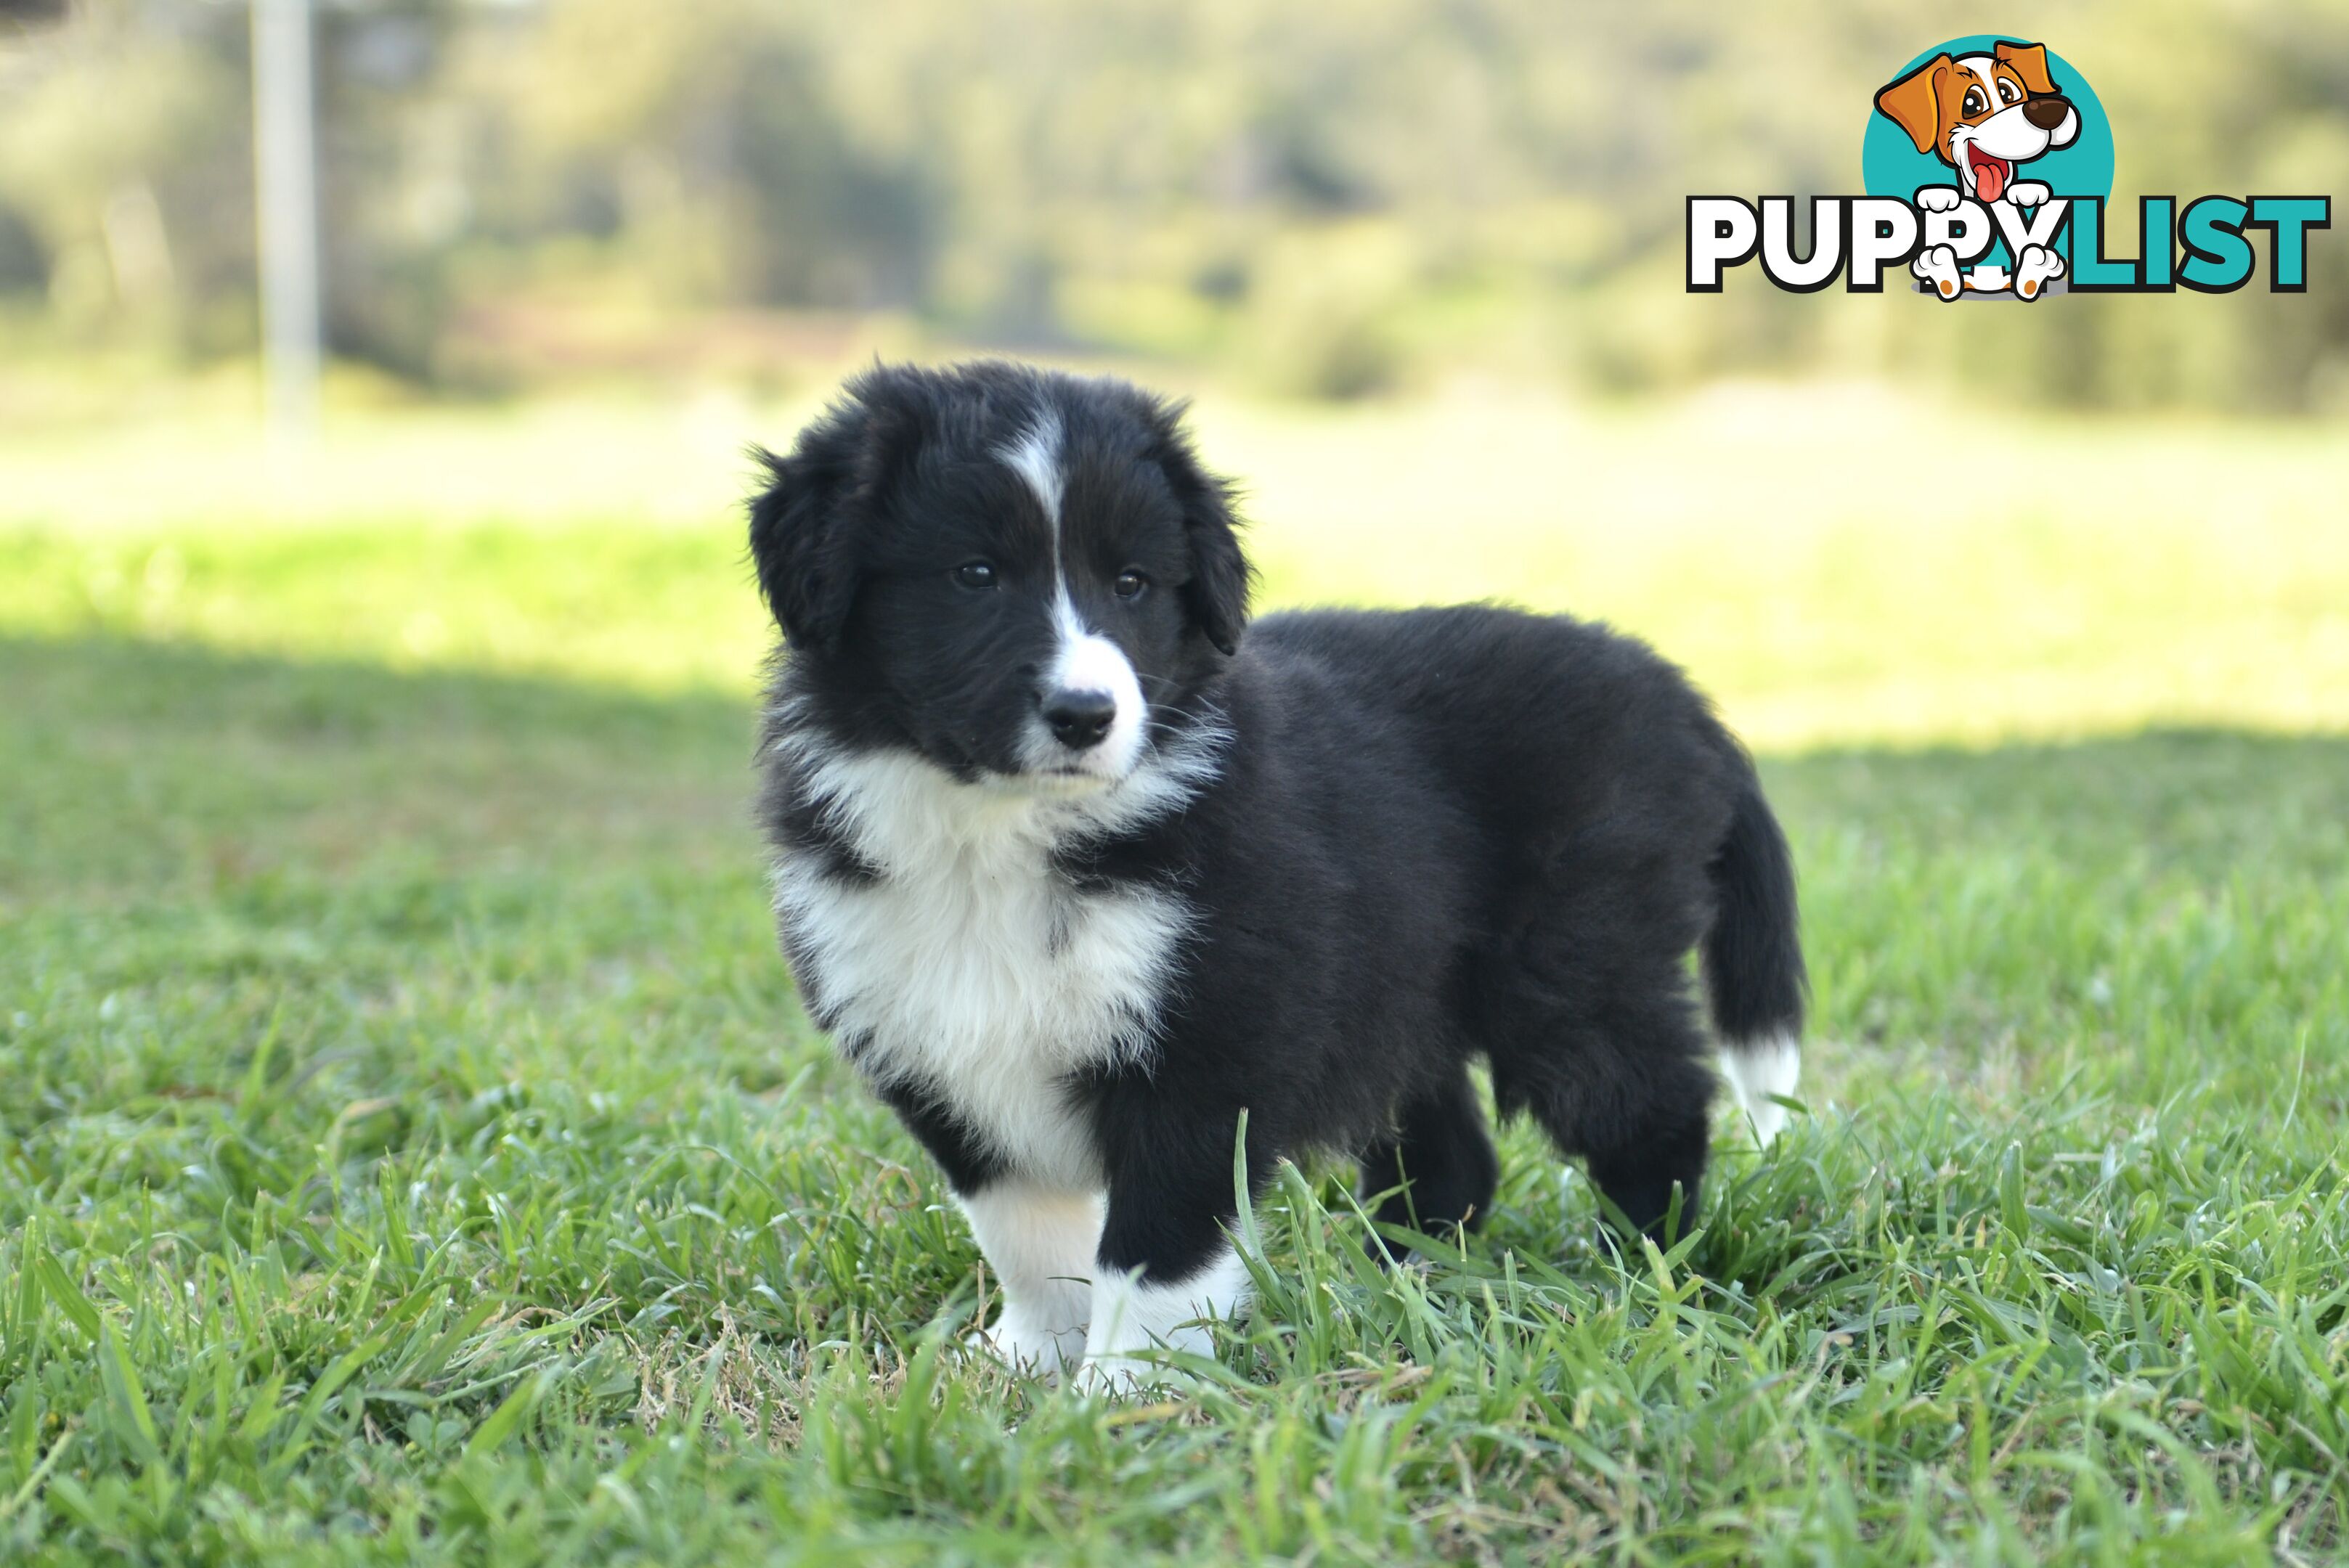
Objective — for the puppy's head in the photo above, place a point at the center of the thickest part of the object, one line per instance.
(1983, 113)
(1019, 575)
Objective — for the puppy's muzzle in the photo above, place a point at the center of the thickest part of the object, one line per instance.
(2047, 111)
(1080, 721)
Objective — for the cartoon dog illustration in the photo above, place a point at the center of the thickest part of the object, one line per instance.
(1984, 115)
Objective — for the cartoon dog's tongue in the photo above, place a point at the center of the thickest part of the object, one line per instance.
(1990, 174)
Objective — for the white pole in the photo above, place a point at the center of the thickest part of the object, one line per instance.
(286, 181)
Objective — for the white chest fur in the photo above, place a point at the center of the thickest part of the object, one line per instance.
(971, 965)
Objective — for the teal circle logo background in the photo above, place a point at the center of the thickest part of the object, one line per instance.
(1890, 165)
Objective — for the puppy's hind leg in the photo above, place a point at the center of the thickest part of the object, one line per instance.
(1631, 1095)
(1653, 1158)
(1437, 1170)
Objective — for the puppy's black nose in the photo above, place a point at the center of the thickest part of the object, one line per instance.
(2047, 111)
(1080, 719)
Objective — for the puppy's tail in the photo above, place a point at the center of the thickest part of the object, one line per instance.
(1753, 972)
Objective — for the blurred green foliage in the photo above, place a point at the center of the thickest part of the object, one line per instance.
(1323, 200)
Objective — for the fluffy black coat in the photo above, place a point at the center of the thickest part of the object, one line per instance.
(1398, 842)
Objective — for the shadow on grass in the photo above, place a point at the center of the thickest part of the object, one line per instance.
(137, 768)
(131, 766)
(2207, 803)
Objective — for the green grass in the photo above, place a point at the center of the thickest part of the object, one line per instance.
(413, 1150)
(411, 1147)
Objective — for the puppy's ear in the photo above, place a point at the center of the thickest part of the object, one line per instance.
(802, 532)
(1924, 103)
(2029, 63)
(1221, 577)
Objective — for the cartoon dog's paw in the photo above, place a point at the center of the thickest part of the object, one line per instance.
(1939, 267)
(2027, 193)
(1939, 198)
(2031, 274)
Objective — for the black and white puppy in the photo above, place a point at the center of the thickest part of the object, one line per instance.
(1078, 866)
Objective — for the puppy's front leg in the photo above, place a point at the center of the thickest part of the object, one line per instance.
(1041, 1242)
(1166, 1264)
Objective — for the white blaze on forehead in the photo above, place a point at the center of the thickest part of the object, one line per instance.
(1082, 659)
(1035, 457)
(1985, 68)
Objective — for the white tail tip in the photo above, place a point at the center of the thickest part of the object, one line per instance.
(1754, 1071)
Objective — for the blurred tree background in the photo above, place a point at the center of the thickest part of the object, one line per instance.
(1312, 200)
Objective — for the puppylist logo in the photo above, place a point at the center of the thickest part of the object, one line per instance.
(1988, 164)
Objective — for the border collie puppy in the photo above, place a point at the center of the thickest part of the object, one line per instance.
(1078, 866)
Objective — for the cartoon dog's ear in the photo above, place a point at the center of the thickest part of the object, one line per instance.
(2029, 63)
(1221, 577)
(1915, 103)
(804, 525)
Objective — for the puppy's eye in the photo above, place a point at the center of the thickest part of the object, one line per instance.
(1130, 584)
(2007, 91)
(976, 574)
(1975, 103)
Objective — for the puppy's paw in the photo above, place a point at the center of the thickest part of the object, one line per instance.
(1128, 1378)
(1939, 198)
(2027, 193)
(1026, 1347)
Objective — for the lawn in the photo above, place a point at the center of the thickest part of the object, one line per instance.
(412, 1148)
